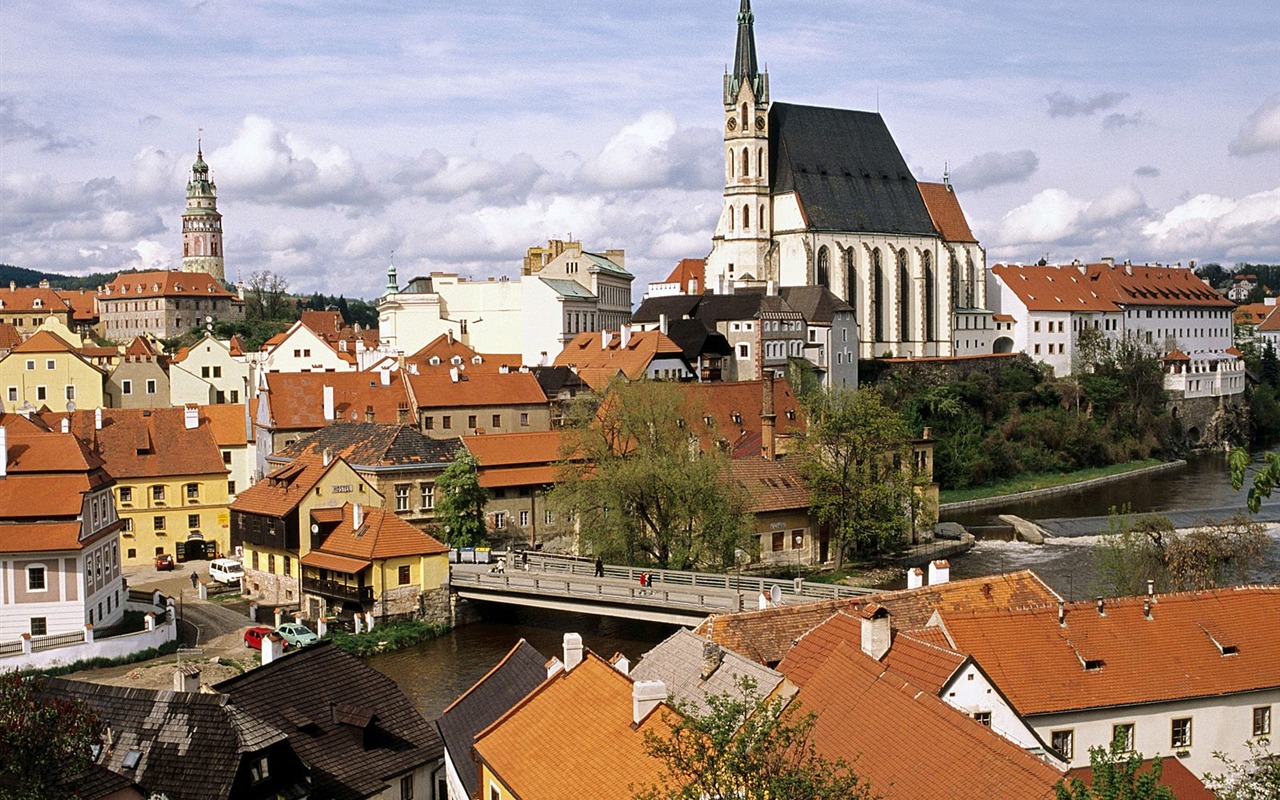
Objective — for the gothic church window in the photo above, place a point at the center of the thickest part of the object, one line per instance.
(877, 301)
(746, 117)
(746, 163)
(760, 162)
(824, 267)
(930, 302)
(746, 217)
(904, 297)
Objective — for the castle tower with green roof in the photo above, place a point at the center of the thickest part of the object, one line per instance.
(201, 223)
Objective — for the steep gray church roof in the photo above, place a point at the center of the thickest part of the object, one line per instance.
(846, 169)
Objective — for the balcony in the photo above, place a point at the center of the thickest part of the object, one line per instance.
(337, 590)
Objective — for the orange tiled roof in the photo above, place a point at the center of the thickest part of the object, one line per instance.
(1271, 322)
(141, 347)
(382, 535)
(735, 408)
(944, 210)
(9, 336)
(690, 269)
(45, 342)
(297, 398)
(1182, 781)
(1003, 318)
(586, 355)
(148, 442)
(283, 489)
(770, 485)
(39, 537)
(227, 424)
(24, 298)
(508, 449)
(1183, 651)
(1056, 288)
(1251, 313)
(84, 304)
(1156, 286)
(445, 348)
(48, 472)
(586, 744)
(1176, 355)
(163, 284)
(910, 744)
(477, 389)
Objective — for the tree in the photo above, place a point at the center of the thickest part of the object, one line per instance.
(265, 297)
(43, 741)
(1255, 778)
(858, 459)
(1213, 274)
(646, 480)
(1214, 553)
(1116, 777)
(747, 747)
(460, 502)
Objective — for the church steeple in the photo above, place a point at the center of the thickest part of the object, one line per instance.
(746, 67)
(201, 222)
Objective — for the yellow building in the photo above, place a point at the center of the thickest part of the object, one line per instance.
(48, 372)
(271, 523)
(372, 562)
(171, 483)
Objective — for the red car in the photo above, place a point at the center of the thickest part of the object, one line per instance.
(253, 637)
(164, 561)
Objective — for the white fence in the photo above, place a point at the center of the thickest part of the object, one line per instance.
(43, 652)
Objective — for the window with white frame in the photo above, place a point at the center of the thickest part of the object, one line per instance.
(36, 578)
(1180, 733)
(744, 350)
(1063, 742)
(402, 497)
(1262, 721)
(1123, 735)
(428, 491)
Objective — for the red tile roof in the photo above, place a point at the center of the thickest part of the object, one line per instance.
(226, 422)
(1055, 288)
(1157, 286)
(1252, 313)
(1180, 780)
(350, 566)
(944, 210)
(148, 442)
(1177, 653)
(39, 537)
(163, 284)
(10, 337)
(770, 485)
(910, 744)
(84, 304)
(381, 535)
(1271, 322)
(509, 449)
(586, 744)
(48, 473)
(594, 363)
(283, 489)
(297, 398)
(45, 342)
(1106, 287)
(24, 299)
(689, 269)
(445, 348)
(735, 409)
(477, 389)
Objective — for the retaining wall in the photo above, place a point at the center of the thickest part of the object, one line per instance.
(1050, 491)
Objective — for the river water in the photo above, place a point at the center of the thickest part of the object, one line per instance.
(435, 673)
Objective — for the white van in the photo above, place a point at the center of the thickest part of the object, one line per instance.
(225, 570)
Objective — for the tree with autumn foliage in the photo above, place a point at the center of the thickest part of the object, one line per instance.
(44, 741)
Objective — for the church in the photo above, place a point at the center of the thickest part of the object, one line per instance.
(823, 197)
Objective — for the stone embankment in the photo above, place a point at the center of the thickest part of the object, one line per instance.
(1050, 491)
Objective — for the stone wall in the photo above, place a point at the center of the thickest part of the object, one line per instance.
(1211, 421)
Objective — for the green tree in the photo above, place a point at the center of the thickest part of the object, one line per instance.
(460, 502)
(1213, 274)
(858, 459)
(1254, 778)
(1269, 366)
(44, 741)
(747, 747)
(645, 479)
(1117, 775)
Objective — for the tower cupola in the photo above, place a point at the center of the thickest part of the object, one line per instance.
(201, 222)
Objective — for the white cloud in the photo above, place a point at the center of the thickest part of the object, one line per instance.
(1212, 224)
(150, 254)
(1055, 217)
(655, 152)
(1062, 104)
(994, 169)
(1261, 132)
(435, 176)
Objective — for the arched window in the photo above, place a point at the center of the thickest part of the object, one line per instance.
(732, 166)
(824, 267)
(930, 313)
(877, 299)
(746, 217)
(733, 217)
(760, 221)
(850, 279)
(760, 162)
(971, 290)
(746, 163)
(955, 281)
(904, 298)
(746, 118)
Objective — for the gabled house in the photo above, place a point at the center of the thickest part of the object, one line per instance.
(191, 745)
(171, 479)
(26, 308)
(520, 671)
(789, 533)
(46, 371)
(140, 377)
(517, 469)
(211, 371)
(271, 523)
(371, 562)
(354, 729)
(467, 403)
(631, 354)
(60, 560)
(1175, 675)
(300, 349)
(692, 669)
(445, 352)
(688, 277)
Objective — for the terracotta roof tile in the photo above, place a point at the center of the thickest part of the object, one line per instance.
(735, 408)
(45, 342)
(445, 348)
(9, 336)
(164, 284)
(944, 209)
(910, 744)
(586, 355)
(280, 491)
(227, 422)
(350, 566)
(37, 537)
(516, 449)
(24, 299)
(587, 745)
(1182, 781)
(1271, 322)
(477, 389)
(689, 269)
(84, 303)
(381, 535)
(1056, 288)
(375, 444)
(297, 398)
(1252, 313)
(151, 442)
(770, 485)
(1040, 665)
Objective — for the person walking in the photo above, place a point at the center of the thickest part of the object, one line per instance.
(194, 578)
(599, 567)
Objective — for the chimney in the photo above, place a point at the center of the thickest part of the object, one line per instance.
(771, 287)
(618, 257)
(662, 324)
(1109, 261)
(645, 697)
(572, 650)
(357, 516)
(768, 418)
(1062, 614)
(272, 647)
(1146, 607)
(712, 656)
(4, 451)
(386, 377)
(1151, 589)
(191, 416)
(66, 424)
(453, 374)
(915, 578)
(939, 572)
(328, 404)
(604, 339)
(186, 678)
(97, 418)
(622, 664)
(327, 456)
(554, 667)
(875, 630)
(626, 336)
(368, 410)
(1102, 608)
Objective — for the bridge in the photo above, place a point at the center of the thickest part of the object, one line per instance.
(673, 597)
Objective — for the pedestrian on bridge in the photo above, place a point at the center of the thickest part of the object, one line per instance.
(599, 567)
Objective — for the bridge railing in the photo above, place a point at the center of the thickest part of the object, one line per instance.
(752, 586)
(566, 584)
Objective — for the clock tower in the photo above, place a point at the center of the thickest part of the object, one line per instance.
(201, 223)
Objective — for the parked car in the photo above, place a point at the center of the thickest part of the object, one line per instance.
(253, 637)
(164, 561)
(225, 570)
(297, 634)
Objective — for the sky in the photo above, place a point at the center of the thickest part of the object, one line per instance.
(457, 135)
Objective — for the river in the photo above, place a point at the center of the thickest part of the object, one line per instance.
(434, 673)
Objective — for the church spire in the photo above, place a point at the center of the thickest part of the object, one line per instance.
(746, 66)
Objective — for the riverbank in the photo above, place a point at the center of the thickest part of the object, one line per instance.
(1032, 487)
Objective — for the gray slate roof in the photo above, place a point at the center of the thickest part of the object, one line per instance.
(568, 288)
(847, 170)
(521, 671)
(679, 662)
(816, 303)
(696, 340)
(349, 723)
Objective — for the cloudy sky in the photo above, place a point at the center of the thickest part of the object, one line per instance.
(459, 134)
